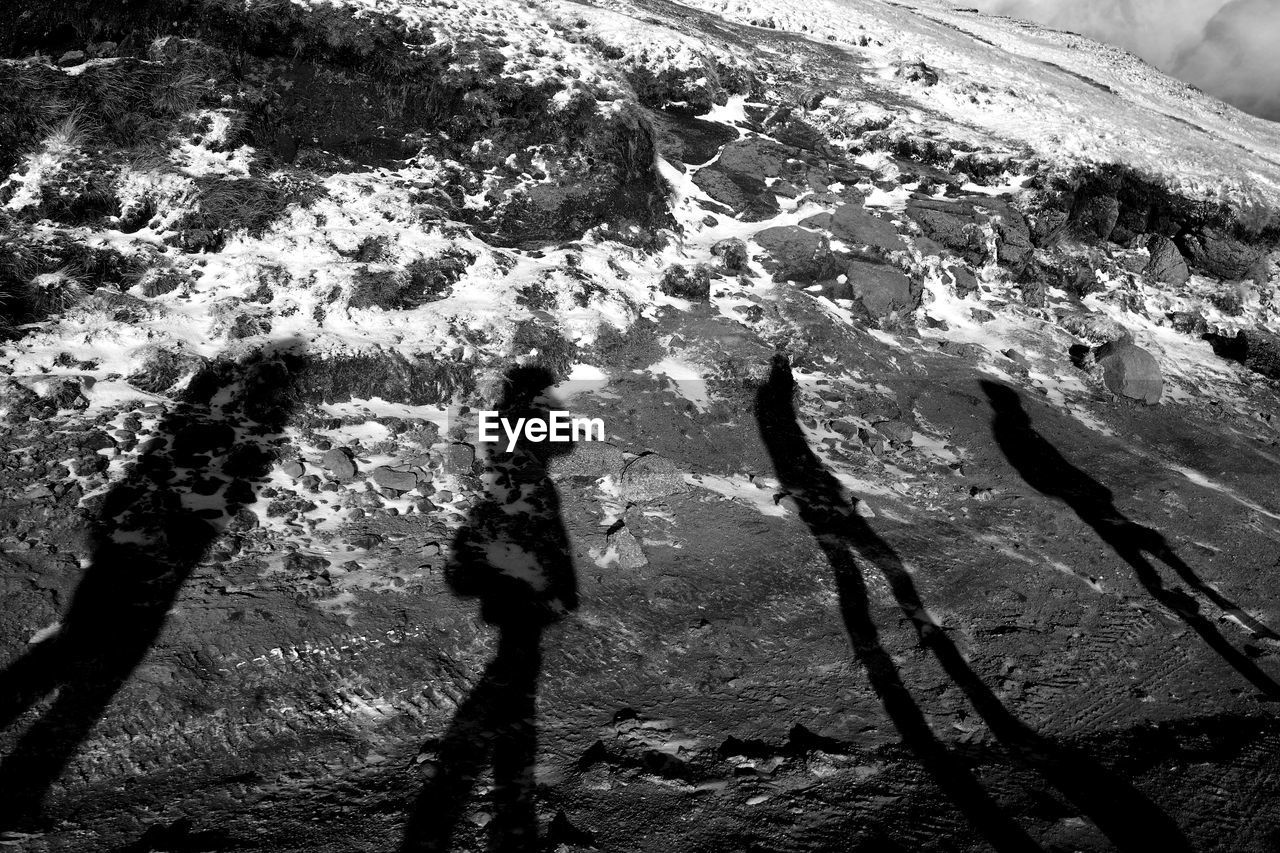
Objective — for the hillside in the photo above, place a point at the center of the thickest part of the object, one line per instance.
(937, 356)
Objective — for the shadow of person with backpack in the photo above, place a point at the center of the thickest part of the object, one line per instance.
(514, 556)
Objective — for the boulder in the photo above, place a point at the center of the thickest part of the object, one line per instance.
(1167, 264)
(1130, 371)
(732, 252)
(880, 288)
(1219, 254)
(338, 462)
(650, 478)
(390, 478)
(590, 459)
(853, 224)
(1013, 238)
(963, 279)
(795, 253)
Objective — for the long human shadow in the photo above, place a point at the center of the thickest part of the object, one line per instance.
(151, 531)
(514, 556)
(1123, 814)
(1043, 468)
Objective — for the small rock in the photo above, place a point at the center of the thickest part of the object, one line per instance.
(338, 462)
(846, 428)
(459, 459)
(293, 469)
(897, 432)
(308, 564)
(790, 504)
(872, 441)
(72, 57)
(626, 549)
(399, 481)
(651, 477)
(1131, 371)
(917, 72)
(444, 496)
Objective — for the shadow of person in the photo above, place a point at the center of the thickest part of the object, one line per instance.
(514, 555)
(152, 529)
(1128, 819)
(1043, 468)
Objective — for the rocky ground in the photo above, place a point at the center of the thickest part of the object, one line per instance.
(938, 358)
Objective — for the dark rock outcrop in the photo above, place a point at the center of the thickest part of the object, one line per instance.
(1256, 349)
(853, 224)
(796, 254)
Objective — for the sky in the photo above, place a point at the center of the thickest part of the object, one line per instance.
(1228, 48)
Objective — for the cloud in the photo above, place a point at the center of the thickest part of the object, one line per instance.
(1225, 47)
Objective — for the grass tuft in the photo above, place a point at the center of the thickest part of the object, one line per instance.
(55, 292)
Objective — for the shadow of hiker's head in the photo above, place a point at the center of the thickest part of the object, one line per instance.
(523, 396)
(196, 473)
(774, 406)
(1005, 403)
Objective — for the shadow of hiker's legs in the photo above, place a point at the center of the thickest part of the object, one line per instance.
(1043, 468)
(1127, 540)
(1131, 821)
(947, 770)
(494, 726)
